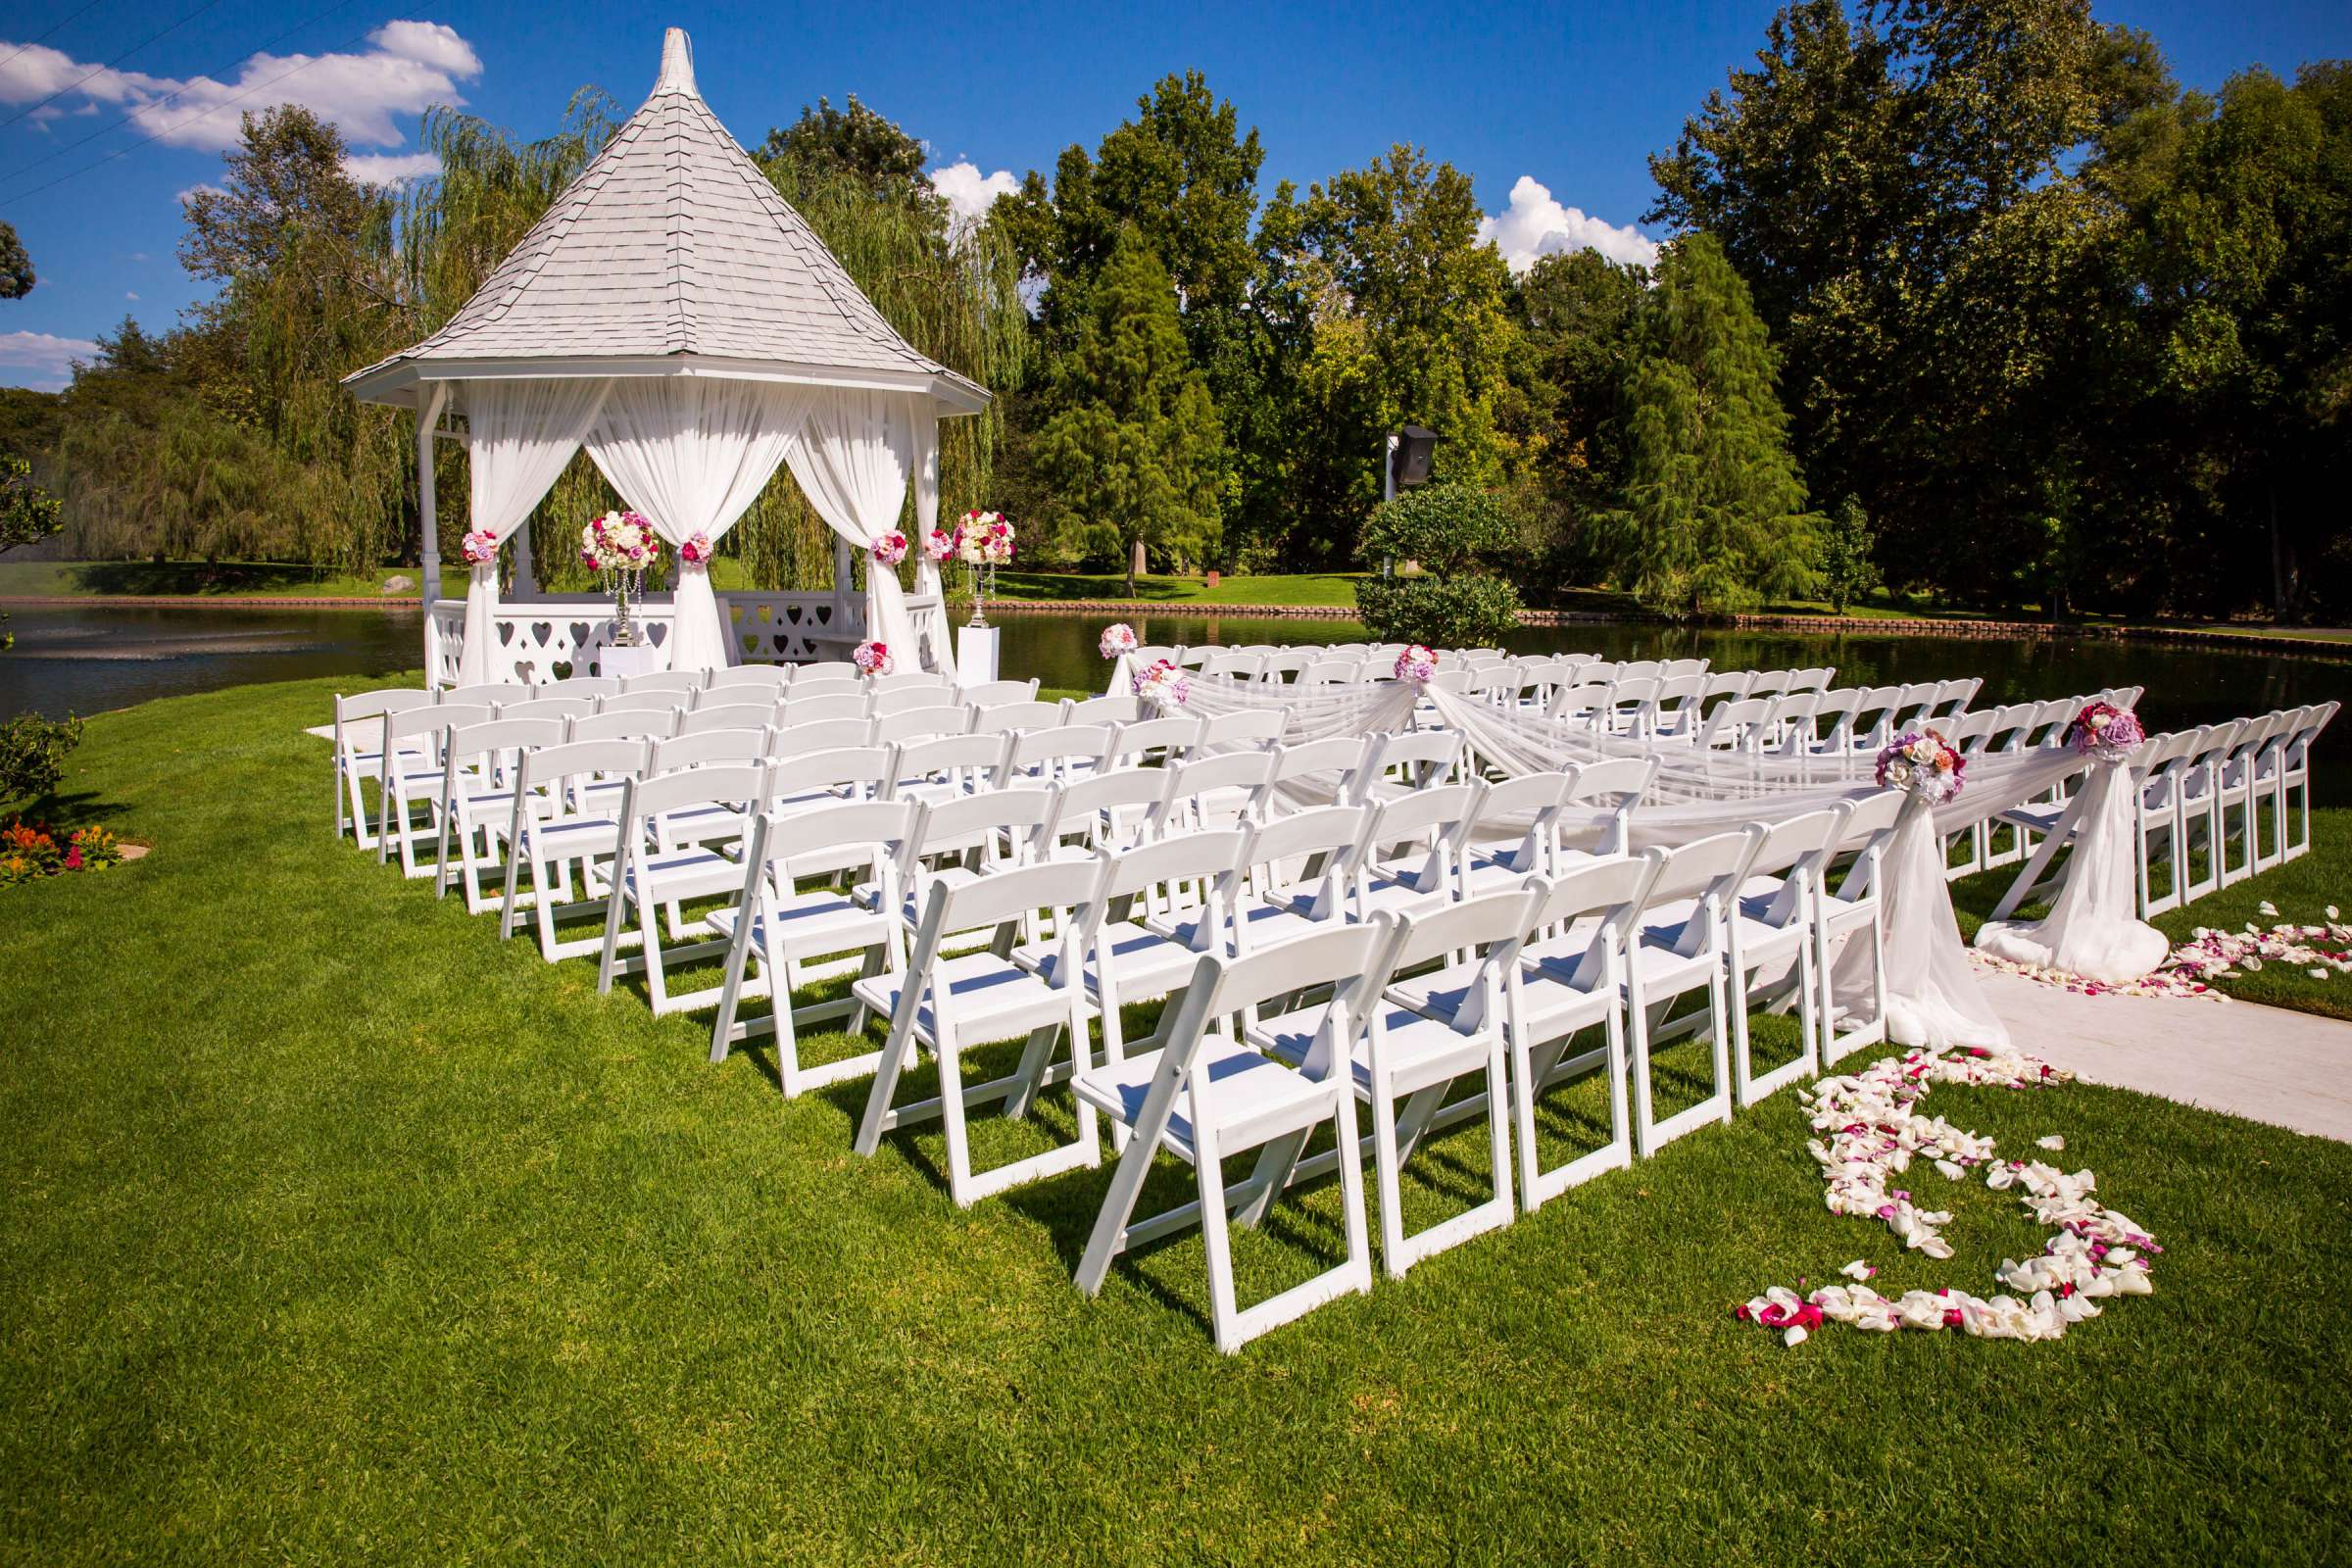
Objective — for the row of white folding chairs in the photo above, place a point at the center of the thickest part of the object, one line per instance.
(1521, 970)
(361, 720)
(2206, 785)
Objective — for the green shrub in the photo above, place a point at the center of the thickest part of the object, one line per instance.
(1437, 612)
(1449, 532)
(32, 755)
(1448, 529)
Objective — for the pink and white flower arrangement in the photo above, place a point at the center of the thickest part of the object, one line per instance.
(621, 541)
(1416, 664)
(1923, 762)
(697, 550)
(985, 539)
(873, 658)
(1117, 638)
(889, 549)
(2105, 731)
(480, 547)
(1163, 685)
(1871, 1134)
(938, 545)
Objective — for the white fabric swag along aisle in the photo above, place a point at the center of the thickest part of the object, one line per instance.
(1933, 997)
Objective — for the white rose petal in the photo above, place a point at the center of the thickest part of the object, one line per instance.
(2054, 1142)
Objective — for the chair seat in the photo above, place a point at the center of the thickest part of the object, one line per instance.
(1438, 992)
(993, 999)
(1552, 1003)
(688, 874)
(815, 922)
(1146, 964)
(1236, 1083)
(574, 835)
(1419, 1050)
(1399, 896)
(2038, 817)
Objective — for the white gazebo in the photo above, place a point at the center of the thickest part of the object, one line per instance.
(673, 315)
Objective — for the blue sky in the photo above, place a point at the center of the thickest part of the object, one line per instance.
(1551, 109)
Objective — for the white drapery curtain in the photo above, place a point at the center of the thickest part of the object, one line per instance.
(693, 453)
(926, 518)
(2094, 929)
(853, 455)
(519, 435)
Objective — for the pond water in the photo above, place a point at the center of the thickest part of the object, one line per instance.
(90, 660)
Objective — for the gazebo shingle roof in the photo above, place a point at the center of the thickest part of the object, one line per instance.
(673, 243)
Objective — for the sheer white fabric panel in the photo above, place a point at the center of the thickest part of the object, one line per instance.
(2094, 928)
(519, 435)
(926, 518)
(693, 453)
(1933, 997)
(853, 455)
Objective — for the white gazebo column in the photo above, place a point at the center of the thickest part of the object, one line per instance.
(428, 522)
(843, 583)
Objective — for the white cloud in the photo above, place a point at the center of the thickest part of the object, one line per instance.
(1535, 226)
(969, 192)
(410, 67)
(390, 168)
(206, 190)
(131, 295)
(42, 361)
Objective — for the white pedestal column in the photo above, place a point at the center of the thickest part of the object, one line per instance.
(975, 654)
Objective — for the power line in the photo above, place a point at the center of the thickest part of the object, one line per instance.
(110, 64)
(158, 103)
(52, 32)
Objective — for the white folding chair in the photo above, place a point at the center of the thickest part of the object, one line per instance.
(1005, 717)
(656, 701)
(767, 681)
(1118, 709)
(488, 694)
(355, 760)
(563, 817)
(1417, 847)
(478, 764)
(940, 768)
(920, 724)
(1680, 944)
(410, 746)
(951, 1004)
(1201, 1095)
(1774, 922)
(1205, 792)
(803, 708)
(1244, 727)
(780, 930)
(1518, 832)
(1056, 755)
(647, 877)
(683, 682)
(1405, 1060)
(1852, 911)
(819, 735)
(998, 693)
(550, 708)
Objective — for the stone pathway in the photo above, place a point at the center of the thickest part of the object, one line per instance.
(2291, 1070)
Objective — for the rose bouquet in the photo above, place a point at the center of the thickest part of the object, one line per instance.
(1925, 764)
(873, 658)
(697, 550)
(2105, 731)
(940, 546)
(1117, 638)
(1416, 664)
(889, 549)
(621, 545)
(1163, 685)
(983, 543)
(480, 547)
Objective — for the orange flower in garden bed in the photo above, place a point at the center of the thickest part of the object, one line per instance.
(31, 849)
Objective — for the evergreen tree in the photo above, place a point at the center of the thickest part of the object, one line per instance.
(1714, 515)
(15, 267)
(1134, 450)
(1847, 572)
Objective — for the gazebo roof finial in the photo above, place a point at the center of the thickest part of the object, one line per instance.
(677, 64)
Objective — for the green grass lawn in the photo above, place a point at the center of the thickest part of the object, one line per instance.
(338, 1231)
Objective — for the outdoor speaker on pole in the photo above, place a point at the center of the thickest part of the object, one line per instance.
(1409, 456)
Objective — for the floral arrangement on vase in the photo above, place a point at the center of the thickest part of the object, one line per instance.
(480, 547)
(1923, 762)
(940, 546)
(622, 546)
(1163, 685)
(889, 549)
(1117, 638)
(983, 543)
(2105, 731)
(873, 658)
(1416, 664)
